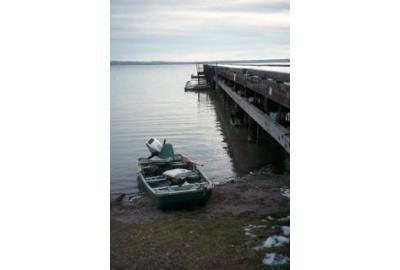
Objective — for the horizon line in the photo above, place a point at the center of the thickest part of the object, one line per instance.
(201, 61)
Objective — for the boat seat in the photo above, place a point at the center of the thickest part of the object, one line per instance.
(159, 160)
(176, 188)
(154, 160)
(151, 180)
(194, 177)
(155, 177)
(149, 168)
(178, 163)
(184, 187)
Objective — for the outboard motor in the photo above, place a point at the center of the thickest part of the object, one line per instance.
(154, 146)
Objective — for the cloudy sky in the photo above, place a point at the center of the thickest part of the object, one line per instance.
(199, 30)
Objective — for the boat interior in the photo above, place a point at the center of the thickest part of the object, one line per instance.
(153, 169)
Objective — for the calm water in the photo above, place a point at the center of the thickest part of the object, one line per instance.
(149, 101)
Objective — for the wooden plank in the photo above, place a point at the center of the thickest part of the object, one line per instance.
(275, 75)
(278, 132)
(278, 92)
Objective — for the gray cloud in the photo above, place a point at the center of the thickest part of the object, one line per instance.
(163, 30)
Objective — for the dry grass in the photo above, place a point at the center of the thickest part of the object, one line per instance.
(191, 242)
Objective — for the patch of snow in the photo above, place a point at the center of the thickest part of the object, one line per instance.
(285, 192)
(249, 234)
(247, 229)
(258, 226)
(275, 259)
(284, 218)
(285, 230)
(273, 241)
(250, 227)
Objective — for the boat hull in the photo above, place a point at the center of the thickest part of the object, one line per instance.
(178, 199)
(198, 198)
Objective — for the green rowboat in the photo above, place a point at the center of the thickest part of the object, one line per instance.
(190, 187)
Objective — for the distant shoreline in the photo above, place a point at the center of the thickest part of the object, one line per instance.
(113, 63)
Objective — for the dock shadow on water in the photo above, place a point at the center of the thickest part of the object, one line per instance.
(247, 154)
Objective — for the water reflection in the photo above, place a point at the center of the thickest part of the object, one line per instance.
(246, 156)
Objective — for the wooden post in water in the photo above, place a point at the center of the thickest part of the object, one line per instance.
(258, 130)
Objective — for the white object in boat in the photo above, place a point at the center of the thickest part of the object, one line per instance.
(177, 173)
(154, 146)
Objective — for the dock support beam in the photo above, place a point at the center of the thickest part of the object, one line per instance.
(278, 132)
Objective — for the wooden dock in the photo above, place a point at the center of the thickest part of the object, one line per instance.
(198, 81)
(197, 85)
(262, 92)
